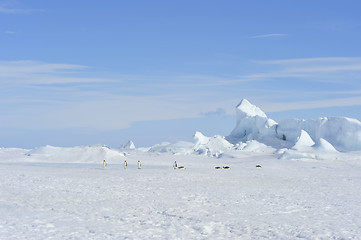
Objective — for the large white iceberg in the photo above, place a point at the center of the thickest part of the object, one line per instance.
(344, 134)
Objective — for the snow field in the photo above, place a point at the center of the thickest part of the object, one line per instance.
(282, 200)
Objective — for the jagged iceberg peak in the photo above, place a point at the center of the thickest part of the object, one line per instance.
(247, 109)
(128, 145)
(304, 141)
(252, 123)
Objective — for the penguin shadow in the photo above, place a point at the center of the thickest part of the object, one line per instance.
(224, 167)
(175, 166)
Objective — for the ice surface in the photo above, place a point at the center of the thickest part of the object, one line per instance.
(282, 200)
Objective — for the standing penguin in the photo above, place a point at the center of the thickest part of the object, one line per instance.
(104, 163)
(175, 165)
(139, 165)
(125, 164)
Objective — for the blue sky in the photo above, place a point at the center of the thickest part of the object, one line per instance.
(102, 72)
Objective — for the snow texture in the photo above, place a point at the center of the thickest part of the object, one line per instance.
(281, 200)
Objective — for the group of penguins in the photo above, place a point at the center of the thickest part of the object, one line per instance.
(139, 164)
(175, 165)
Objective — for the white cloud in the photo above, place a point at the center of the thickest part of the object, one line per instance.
(107, 104)
(311, 60)
(330, 64)
(332, 69)
(10, 32)
(217, 112)
(312, 104)
(270, 35)
(115, 112)
(33, 72)
(39, 91)
(15, 7)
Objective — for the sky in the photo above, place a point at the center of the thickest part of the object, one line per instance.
(104, 72)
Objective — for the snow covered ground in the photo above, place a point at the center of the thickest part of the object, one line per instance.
(285, 199)
(308, 185)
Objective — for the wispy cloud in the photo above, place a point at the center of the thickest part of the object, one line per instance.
(270, 35)
(327, 64)
(15, 7)
(215, 113)
(312, 104)
(10, 32)
(33, 72)
(330, 69)
(57, 93)
(311, 60)
(70, 95)
(305, 83)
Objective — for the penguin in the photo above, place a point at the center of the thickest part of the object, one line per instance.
(125, 164)
(139, 165)
(104, 163)
(175, 165)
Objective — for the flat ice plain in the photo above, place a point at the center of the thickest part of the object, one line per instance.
(285, 199)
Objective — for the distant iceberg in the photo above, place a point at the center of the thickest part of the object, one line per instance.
(343, 133)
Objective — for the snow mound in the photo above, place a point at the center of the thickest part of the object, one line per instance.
(305, 149)
(79, 154)
(255, 146)
(175, 148)
(324, 146)
(211, 146)
(12, 154)
(304, 142)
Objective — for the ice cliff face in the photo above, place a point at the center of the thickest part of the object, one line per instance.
(252, 123)
(322, 138)
(344, 134)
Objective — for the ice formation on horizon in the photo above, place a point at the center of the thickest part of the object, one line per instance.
(128, 145)
(322, 138)
(342, 133)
